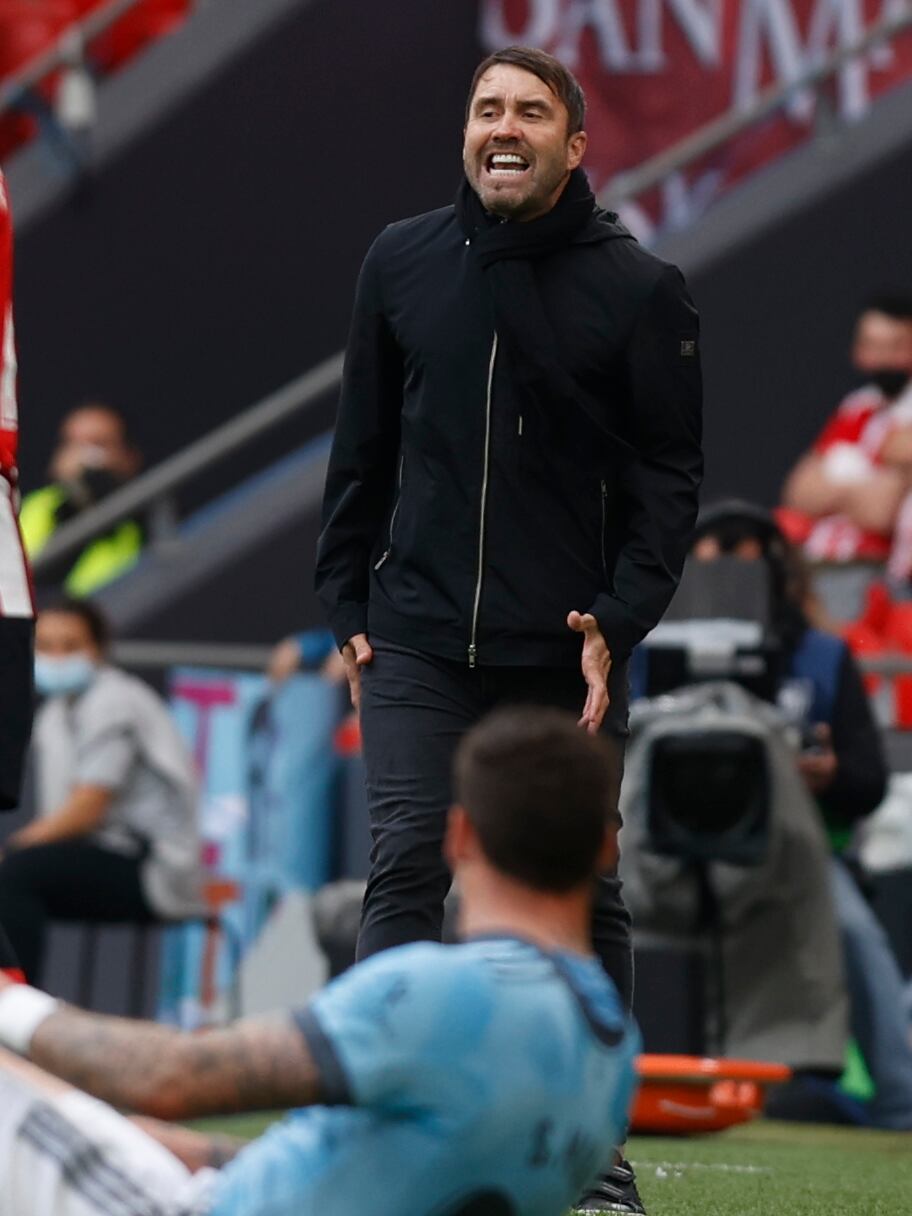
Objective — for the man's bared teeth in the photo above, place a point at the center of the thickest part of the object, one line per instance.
(508, 162)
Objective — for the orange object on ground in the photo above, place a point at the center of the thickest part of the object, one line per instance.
(683, 1095)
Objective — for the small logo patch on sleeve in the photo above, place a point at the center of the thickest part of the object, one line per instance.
(688, 348)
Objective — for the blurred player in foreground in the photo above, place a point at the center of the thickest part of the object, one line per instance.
(484, 1079)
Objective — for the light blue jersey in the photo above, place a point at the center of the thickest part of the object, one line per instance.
(488, 1079)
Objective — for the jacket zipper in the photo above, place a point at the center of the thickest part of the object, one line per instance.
(604, 489)
(473, 650)
(392, 524)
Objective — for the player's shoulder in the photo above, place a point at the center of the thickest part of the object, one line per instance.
(595, 995)
(430, 971)
(420, 964)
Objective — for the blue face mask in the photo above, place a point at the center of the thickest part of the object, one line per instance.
(56, 677)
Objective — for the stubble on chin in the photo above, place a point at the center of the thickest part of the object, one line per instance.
(503, 206)
(502, 203)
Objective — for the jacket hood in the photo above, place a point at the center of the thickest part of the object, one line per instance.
(604, 226)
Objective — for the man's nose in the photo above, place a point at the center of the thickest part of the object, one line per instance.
(508, 128)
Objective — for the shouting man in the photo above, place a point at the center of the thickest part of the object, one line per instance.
(513, 481)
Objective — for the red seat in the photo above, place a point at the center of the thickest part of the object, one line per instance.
(29, 27)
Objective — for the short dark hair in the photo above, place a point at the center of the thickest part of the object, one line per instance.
(550, 71)
(894, 304)
(95, 621)
(540, 793)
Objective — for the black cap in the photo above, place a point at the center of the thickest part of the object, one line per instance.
(738, 510)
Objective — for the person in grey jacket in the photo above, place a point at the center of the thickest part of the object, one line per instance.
(115, 837)
(513, 479)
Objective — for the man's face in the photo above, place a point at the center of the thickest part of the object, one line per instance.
(882, 342)
(518, 152)
(92, 438)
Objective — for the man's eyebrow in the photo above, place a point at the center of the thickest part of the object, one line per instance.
(537, 99)
(494, 99)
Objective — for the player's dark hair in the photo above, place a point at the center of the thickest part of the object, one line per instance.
(540, 793)
(95, 621)
(894, 304)
(550, 71)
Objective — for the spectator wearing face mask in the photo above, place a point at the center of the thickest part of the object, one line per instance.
(93, 457)
(845, 498)
(115, 837)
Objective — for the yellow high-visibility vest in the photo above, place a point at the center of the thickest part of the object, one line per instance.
(100, 562)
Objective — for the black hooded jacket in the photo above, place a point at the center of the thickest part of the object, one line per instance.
(460, 518)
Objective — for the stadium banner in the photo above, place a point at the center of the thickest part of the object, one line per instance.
(268, 773)
(656, 70)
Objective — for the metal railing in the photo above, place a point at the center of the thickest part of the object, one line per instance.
(714, 134)
(140, 655)
(251, 656)
(68, 45)
(156, 488)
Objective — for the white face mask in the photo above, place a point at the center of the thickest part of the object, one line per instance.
(65, 675)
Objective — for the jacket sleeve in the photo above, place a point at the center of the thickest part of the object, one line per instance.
(362, 461)
(861, 776)
(659, 489)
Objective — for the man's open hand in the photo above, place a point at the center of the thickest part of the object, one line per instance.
(356, 653)
(596, 664)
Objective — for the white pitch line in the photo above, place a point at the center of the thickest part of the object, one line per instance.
(679, 1167)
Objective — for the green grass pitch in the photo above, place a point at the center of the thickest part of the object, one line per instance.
(764, 1169)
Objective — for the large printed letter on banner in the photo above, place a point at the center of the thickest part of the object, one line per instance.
(654, 71)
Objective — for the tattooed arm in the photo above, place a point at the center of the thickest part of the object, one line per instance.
(155, 1070)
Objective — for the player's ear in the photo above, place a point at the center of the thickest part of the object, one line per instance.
(459, 838)
(609, 853)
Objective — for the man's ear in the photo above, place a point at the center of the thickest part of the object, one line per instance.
(460, 842)
(609, 853)
(576, 149)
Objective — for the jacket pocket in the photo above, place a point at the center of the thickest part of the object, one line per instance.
(384, 557)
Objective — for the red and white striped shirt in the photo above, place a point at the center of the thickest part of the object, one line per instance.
(850, 446)
(15, 580)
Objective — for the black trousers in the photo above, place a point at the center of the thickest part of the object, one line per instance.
(415, 708)
(70, 880)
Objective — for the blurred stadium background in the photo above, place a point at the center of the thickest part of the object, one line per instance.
(194, 184)
(188, 244)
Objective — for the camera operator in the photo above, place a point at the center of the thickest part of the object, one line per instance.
(842, 766)
(841, 760)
